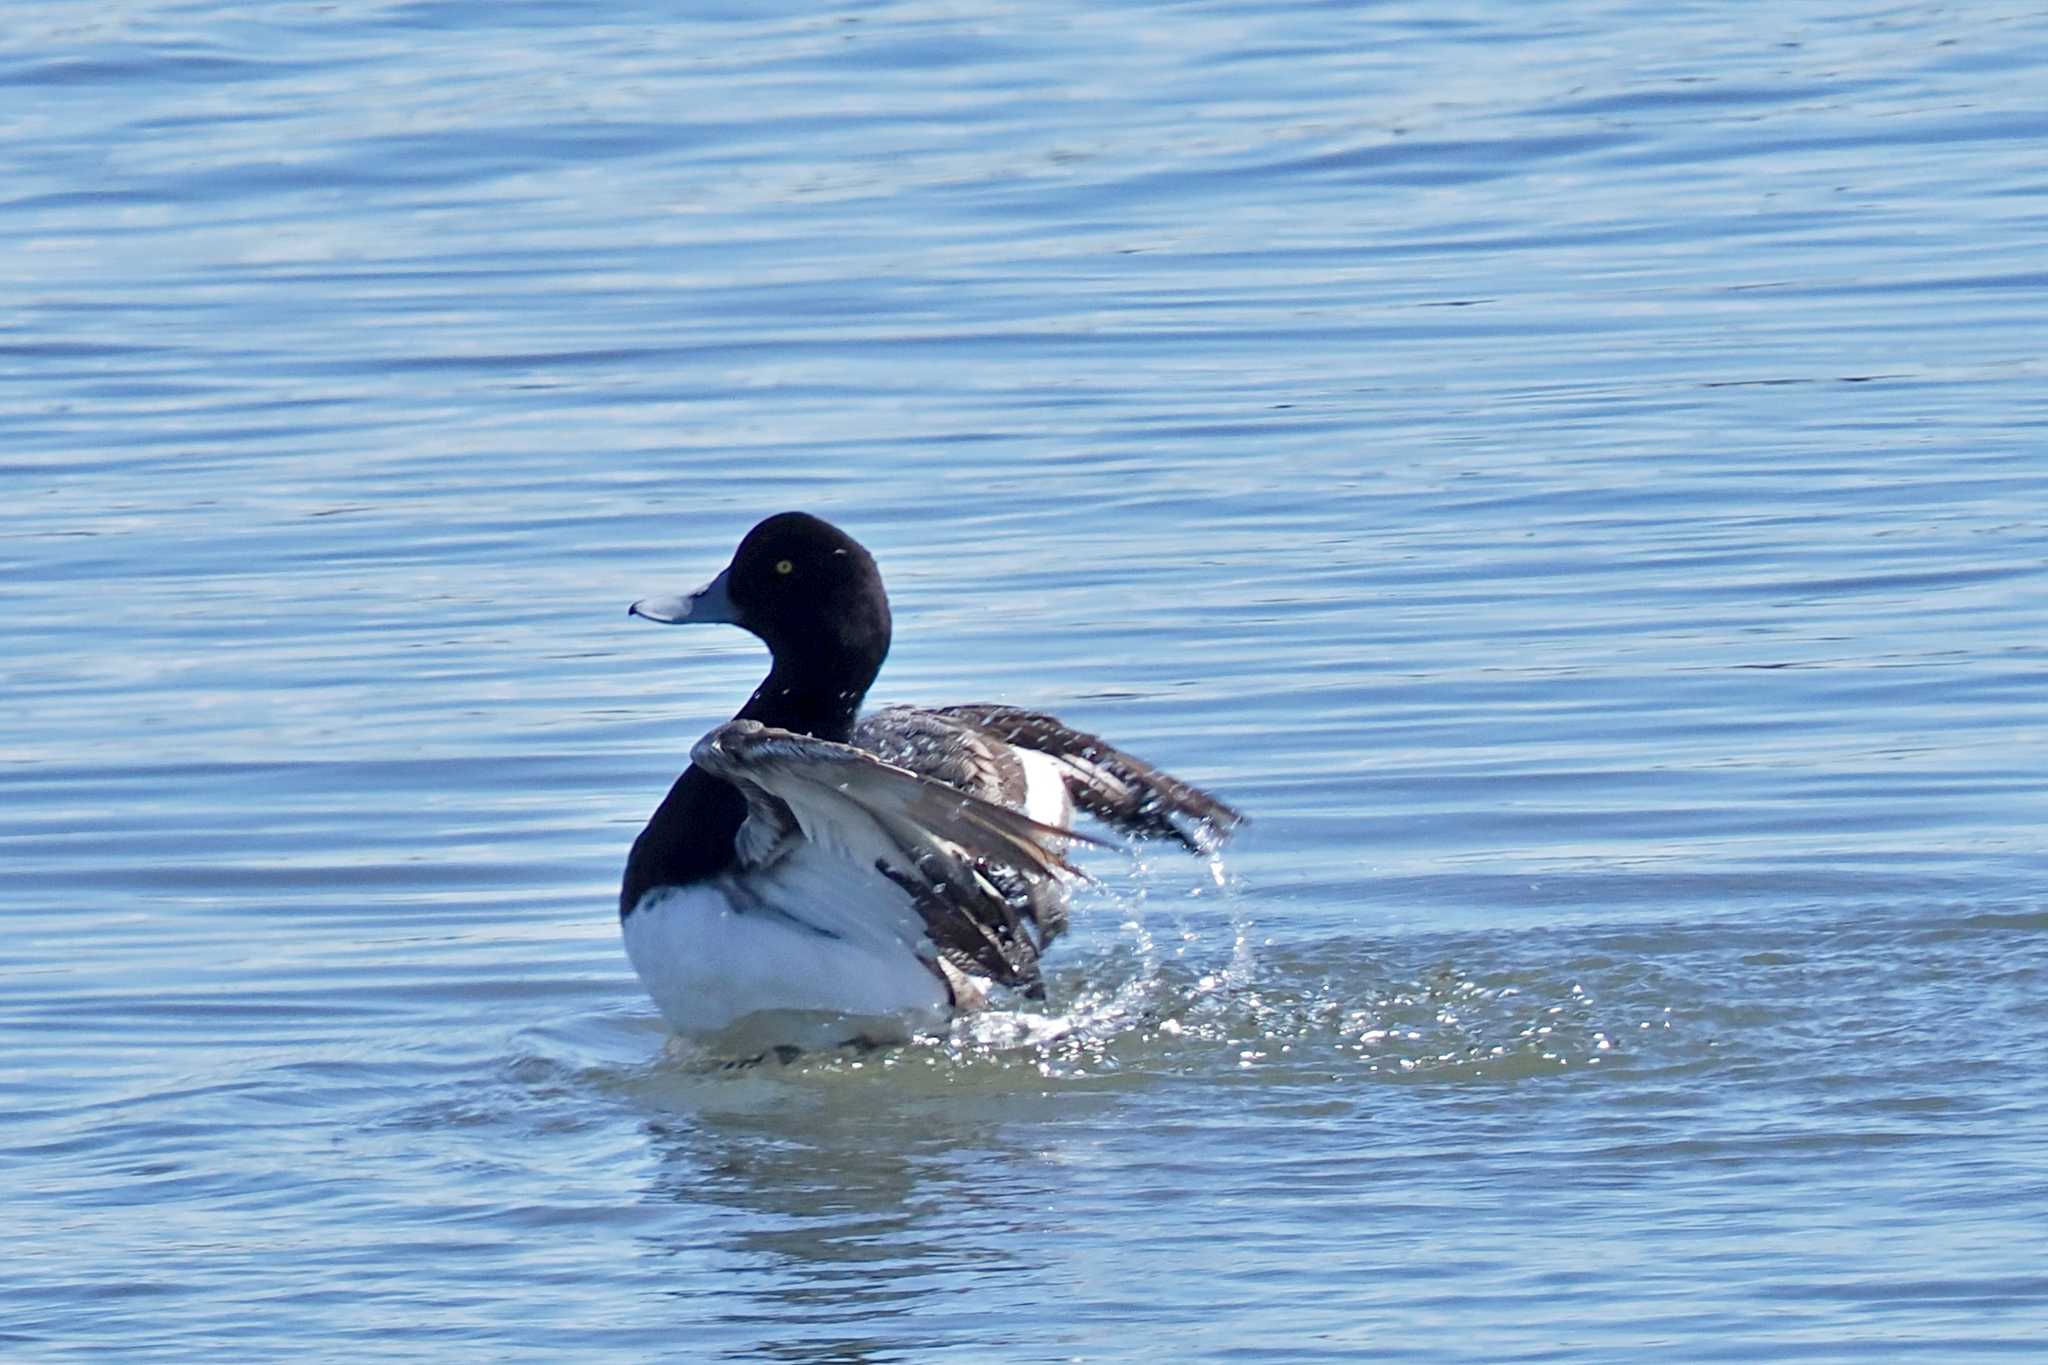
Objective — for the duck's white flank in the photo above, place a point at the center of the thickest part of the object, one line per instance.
(1045, 789)
(812, 934)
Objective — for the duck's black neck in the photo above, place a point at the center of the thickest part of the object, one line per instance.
(817, 682)
(808, 705)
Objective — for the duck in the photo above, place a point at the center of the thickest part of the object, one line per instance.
(817, 873)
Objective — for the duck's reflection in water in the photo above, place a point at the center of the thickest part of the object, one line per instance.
(835, 1201)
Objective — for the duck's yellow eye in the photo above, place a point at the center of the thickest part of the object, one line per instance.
(784, 566)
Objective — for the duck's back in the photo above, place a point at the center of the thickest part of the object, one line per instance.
(936, 744)
(1038, 764)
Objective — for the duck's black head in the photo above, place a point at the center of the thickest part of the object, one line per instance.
(813, 595)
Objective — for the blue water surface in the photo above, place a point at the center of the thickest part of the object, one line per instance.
(1573, 473)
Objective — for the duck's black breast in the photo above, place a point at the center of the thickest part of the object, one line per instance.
(690, 837)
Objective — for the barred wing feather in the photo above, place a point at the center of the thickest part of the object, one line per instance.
(939, 844)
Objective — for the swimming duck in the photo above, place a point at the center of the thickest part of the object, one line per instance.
(812, 863)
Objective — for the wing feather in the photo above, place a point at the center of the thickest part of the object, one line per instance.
(944, 847)
(948, 750)
(965, 756)
(1121, 789)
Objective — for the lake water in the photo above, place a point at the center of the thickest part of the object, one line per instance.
(1576, 475)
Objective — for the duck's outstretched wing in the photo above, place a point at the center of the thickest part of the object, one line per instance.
(963, 755)
(947, 749)
(940, 845)
(1124, 791)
